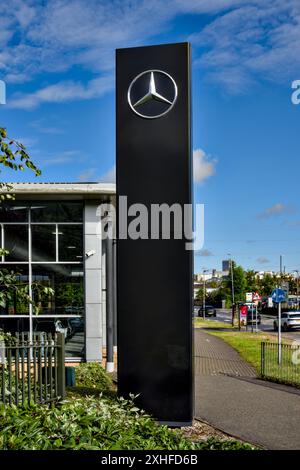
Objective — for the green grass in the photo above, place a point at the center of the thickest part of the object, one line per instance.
(248, 345)
(199, 322)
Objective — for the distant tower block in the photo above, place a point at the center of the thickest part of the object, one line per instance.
(226, 265)
(2, 92)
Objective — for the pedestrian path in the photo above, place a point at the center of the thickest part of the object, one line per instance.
(230, 397)
(214, 357)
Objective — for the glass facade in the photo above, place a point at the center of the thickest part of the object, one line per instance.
(44, 241)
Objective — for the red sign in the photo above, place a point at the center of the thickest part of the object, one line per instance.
(256, 296)
(243, 310)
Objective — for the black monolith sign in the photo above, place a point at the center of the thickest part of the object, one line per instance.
(154, 271)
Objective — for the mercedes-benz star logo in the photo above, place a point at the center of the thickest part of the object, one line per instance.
(152, 104)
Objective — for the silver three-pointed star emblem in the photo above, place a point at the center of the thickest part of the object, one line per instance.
(152, 94)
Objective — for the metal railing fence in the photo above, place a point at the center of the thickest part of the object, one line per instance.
(32, 371)
(281, 363)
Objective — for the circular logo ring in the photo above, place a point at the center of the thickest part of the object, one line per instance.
(152, 94)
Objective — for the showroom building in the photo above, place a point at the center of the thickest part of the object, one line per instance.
(53, 236)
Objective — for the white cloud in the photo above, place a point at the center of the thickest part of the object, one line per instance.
(204, 165)
(205, 253)
(45, 126)
(249, 39)
(263, 260)
(63, 92)
(259, 40)
(87, 174)
(276, 209)
(110, 176)
(61, 158)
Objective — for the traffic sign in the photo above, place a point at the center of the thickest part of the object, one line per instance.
(256, 296)
(278, 295)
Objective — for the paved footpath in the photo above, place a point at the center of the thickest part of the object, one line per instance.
(231, 398)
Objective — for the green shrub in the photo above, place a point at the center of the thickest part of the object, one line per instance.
(92, 375)
(90, 424)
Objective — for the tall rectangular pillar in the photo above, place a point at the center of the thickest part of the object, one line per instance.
(154, 274)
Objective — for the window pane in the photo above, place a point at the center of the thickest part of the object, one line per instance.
(14, 325)
(15, 304)
(43, 242)
(70, 240)
(67, 283)
(13, 213)
(16, 242)
(71, 328)
(49, 211)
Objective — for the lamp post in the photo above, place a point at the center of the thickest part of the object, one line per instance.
(232, 287)
(204, 271)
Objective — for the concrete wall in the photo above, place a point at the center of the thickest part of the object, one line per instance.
(93, 283)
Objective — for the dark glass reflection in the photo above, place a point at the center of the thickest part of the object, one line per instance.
(71, 328)
(49, 211)
(67, 283)
(43, 242)
(70, 242)
(16, 242)
(15, 325)
(13, 212)
(15, 305)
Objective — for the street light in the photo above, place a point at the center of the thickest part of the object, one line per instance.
(232, 287)
(204, 271)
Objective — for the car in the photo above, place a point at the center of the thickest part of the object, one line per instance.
(252, 316)
(76, 324)
(210, 311)
(289, 320)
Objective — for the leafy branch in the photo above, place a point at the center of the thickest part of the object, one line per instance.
(11, 290)
(13, 155)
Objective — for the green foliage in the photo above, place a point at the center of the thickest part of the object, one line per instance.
(199, 295)
(69, 293)
(92, 375)
(267, 284)
(13, 291)
(13, 155)
(92, 424)
(252, 281)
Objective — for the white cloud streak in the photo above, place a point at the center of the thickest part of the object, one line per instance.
(63, 92)
(275, 210)
(263, 260)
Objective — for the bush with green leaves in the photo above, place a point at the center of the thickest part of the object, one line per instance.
(92, 375)
(91, 424)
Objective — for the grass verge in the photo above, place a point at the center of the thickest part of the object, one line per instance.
(247, 344)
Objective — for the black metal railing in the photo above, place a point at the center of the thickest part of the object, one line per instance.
(32, 371)
(281, 363)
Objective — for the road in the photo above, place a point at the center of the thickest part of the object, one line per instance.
(266, 324)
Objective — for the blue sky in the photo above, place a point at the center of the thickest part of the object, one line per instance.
(57, 59)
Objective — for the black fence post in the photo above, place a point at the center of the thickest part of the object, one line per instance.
(61, 379)
(262, 362)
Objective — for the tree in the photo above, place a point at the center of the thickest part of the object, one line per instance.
(239, 284)
(252, 281)
(267, 284)
(199, 295)
(13, 155)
